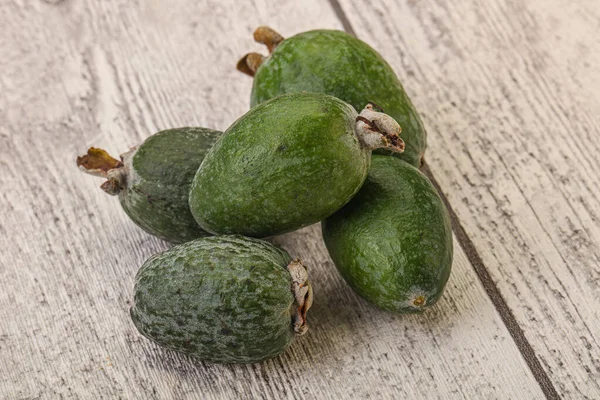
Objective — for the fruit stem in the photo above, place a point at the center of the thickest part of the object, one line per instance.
(250, 63)
(303, 295)
(98, 162)
(377, 130)
(268, 37)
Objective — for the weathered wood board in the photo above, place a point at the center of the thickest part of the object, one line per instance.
(110, 73)
(509, 92)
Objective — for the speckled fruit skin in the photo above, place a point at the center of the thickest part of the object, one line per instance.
(287, 163)
(393, 242)
(340, 65)
(223, 299)
(159, 174)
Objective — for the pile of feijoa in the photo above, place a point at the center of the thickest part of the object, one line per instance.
(315, 146)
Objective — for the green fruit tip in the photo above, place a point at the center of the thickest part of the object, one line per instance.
(98, 162)
(377, 130)
(303, 295)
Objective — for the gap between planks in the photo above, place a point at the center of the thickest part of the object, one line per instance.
(483, 274)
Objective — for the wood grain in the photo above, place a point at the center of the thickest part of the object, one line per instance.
(109, 74)
(509, 94)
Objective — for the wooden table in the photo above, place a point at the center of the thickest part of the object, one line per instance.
(510, 93)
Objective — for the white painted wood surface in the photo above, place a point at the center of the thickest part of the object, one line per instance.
(510, 93)
(110, 73)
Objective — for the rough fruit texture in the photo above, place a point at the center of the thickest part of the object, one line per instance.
(287, 163)
(393, 242)
(153, 180)
(340, 65)
(223, 299)
(160, 174)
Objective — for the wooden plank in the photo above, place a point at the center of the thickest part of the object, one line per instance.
(509, 94)
(108, 74)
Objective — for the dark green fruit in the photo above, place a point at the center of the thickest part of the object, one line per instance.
(153, 180)
(393, 242)
(337, 64)
(287, 163)
(226, 299)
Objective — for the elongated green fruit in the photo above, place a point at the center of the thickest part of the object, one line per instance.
(337, 64)
(393, 242)
(153, 180)
(288, 163)
(226, 299)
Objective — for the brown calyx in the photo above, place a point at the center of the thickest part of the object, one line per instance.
(251, 61)
(419, 301)
(377, 130)
(98, 162)
(267, 36)
(303, 295)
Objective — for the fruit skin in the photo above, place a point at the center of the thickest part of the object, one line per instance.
(161, 172)
(393, 242)
(223, 299)
(285, 164)
(153, 180)
(343, 66)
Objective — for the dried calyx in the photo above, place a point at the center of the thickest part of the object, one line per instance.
(251, 61)
(99, 163)
(303, 295)
(377, 130)
(268, 36)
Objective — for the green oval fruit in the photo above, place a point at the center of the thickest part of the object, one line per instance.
(227, 299)
(393, 241)
(287, 163)
(153, 180)
(337, 64)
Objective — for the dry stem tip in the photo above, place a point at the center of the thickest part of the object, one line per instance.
(303, 295)
(377, 130)
(250, 63)
(268, 37)
(98, 162)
